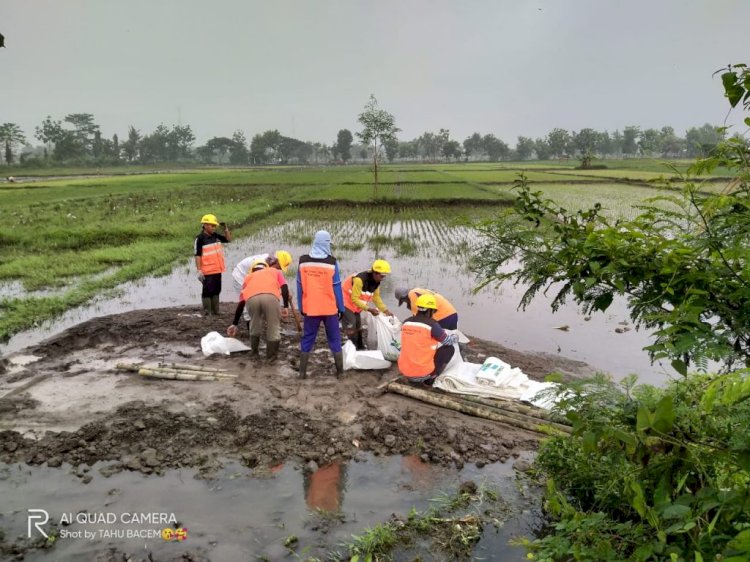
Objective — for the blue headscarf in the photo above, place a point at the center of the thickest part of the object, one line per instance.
(321, 246)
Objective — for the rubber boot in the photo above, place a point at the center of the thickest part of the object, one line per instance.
(215, 305)
(206, 306)
(303, 358)
(254, 345)
(359, 343)
(338, 359)
(272, 351)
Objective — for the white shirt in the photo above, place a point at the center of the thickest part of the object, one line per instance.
(240, 270)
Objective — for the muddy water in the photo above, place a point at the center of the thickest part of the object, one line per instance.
(436, 260)
(240, 515)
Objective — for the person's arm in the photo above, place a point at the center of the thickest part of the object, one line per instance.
(337, 289)
(284, 288)
(227, 232)
(198, 251)
(442, 336)
(232, 330)
(378, 300)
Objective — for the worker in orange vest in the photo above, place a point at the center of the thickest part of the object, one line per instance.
(426, 348)
(446, 314)
(320, 300)
(209, 261)
(261, 291)
(361, 291)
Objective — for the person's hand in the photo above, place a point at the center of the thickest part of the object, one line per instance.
(388, 313)
(232, 330)
(285, 313)
(373, 311)
(201, 277)
(341, 314)
(451, 339)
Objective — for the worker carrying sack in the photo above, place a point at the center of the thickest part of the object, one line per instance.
(385, 333)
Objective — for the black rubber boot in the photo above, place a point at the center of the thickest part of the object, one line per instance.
(254, 345)
(303, 359)
(338, 359)
(215, 305)
(272, 351)
(206, 306)
(359, 343)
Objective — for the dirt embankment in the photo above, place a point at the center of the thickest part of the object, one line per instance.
(72, 405)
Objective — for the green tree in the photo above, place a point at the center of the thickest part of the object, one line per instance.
(473, 146)
(524, 148)
(264, 147)
(219, 147)
(630, 140)
(542, 149)
(11, 135)
(391, 148)
(343, 146)
(85, 130)
(429, 145)
(130, 146)
(179, 140)
(671, 145)
(558, 140)
(702, 141)
(495, 148)
(238, 153)
(649, 142)
(378, 127)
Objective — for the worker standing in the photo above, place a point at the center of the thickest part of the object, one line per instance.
(361, 292)
(281, 259)
(263, 288)
(426, 348)
(320, 300)
(446, 314)
(209, 261)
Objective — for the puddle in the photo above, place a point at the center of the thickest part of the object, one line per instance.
(437, 260)
(240, 515)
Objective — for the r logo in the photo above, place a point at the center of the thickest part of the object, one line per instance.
(39, 517)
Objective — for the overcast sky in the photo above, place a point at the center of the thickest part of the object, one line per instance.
(307, 67)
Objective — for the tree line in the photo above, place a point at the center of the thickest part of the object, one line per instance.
(77, 140)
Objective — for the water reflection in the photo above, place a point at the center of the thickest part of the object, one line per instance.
(324, 488)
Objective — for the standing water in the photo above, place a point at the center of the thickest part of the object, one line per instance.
(428, 254)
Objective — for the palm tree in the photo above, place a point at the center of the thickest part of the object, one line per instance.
(11, 134)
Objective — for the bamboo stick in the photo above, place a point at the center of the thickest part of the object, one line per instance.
(474, 410)
(181, 375)
(185, 367)
(508, 405)
(515, 415)
(135, 368)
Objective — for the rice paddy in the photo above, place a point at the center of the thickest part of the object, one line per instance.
(67, 240)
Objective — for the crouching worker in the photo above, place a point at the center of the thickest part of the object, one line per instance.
(426, 348)
(361, 292)
(263, 288)
(445, 315)
(320, 300)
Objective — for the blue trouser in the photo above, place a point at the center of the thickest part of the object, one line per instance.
(449, 322)
(333, 334)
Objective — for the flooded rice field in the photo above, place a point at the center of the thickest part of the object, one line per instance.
(431, 254)
(269, 513)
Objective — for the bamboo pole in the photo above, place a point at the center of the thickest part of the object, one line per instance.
(515, 415)
(181, 375)
(186, 367)
(138, 368)
(510, 405)
(474, 410)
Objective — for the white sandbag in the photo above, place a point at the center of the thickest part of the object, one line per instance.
(388, 330)
(214, 342)
(363, 360)
(491, 371)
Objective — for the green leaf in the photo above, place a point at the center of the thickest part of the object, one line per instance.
(589, 442)
(663, 420)
(698, 556)
(747, 121)
(675, 511)
(679, 366)
(643, 419)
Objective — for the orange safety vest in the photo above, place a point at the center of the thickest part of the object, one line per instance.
(368, 289)
(316, 277)
(444, 307)
(417, 358)
(263, 281)
(212, 258)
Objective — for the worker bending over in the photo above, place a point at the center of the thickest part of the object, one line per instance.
(361, 292)
(263, 288)
(446, 314)
(320, 300)
(426, 348)
(281, 259)
(209, 261)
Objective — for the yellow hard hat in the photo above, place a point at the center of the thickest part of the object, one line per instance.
(427, 301)
(381, 266)
(285, 259)
(209, 219)
(257, 264)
